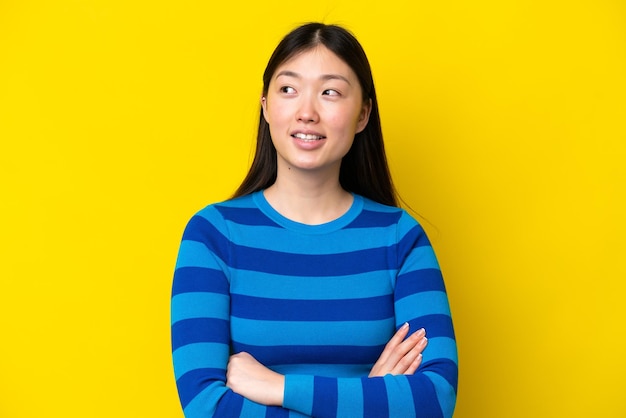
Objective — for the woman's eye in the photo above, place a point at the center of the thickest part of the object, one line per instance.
(287, 89)
(330, 92)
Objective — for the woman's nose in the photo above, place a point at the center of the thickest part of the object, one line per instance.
(307, 111)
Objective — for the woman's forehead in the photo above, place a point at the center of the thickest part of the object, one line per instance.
(318, 59)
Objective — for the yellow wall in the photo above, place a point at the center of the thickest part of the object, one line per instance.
(505, 123)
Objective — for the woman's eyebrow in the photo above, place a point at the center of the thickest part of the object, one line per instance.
(288, 73)
(334, 77)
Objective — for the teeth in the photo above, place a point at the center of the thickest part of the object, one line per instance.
(307, 137)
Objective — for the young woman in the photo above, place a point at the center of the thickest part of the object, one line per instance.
(310, 293)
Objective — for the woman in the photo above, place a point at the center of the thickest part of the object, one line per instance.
(309, 292)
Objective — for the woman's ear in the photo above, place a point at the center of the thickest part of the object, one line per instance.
(264, 107)
(364, 116)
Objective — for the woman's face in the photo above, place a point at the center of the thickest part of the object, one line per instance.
(314, 107)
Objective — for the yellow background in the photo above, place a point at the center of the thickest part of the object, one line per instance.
(505, 127)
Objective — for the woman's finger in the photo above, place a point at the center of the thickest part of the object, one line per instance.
(415, 365)
(412, 359)
(402, 349)
(400, 354)
(396, 340)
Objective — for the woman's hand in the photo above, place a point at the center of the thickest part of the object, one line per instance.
(252, 380)
(401, 356)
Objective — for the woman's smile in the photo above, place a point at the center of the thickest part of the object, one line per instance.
(308, 137)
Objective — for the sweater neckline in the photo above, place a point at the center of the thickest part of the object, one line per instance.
(334, 225)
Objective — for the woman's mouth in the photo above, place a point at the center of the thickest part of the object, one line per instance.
(308, 137)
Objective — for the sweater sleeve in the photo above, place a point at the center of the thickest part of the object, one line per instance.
(420, 299)
(200, 327)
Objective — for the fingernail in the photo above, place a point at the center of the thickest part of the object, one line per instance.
(405, 325)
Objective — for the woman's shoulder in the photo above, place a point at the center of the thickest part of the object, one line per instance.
(387, 214)
(377, 207)
(372, 205)
(218, 213)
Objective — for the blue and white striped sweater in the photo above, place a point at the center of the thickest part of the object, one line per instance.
(315, 303)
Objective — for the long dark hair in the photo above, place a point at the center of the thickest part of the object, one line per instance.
(364, 168)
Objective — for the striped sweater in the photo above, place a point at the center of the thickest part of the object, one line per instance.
(316, 303)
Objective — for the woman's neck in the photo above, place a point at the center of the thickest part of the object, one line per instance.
(310, 201)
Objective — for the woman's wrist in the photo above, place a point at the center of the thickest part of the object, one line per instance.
(278, 391)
